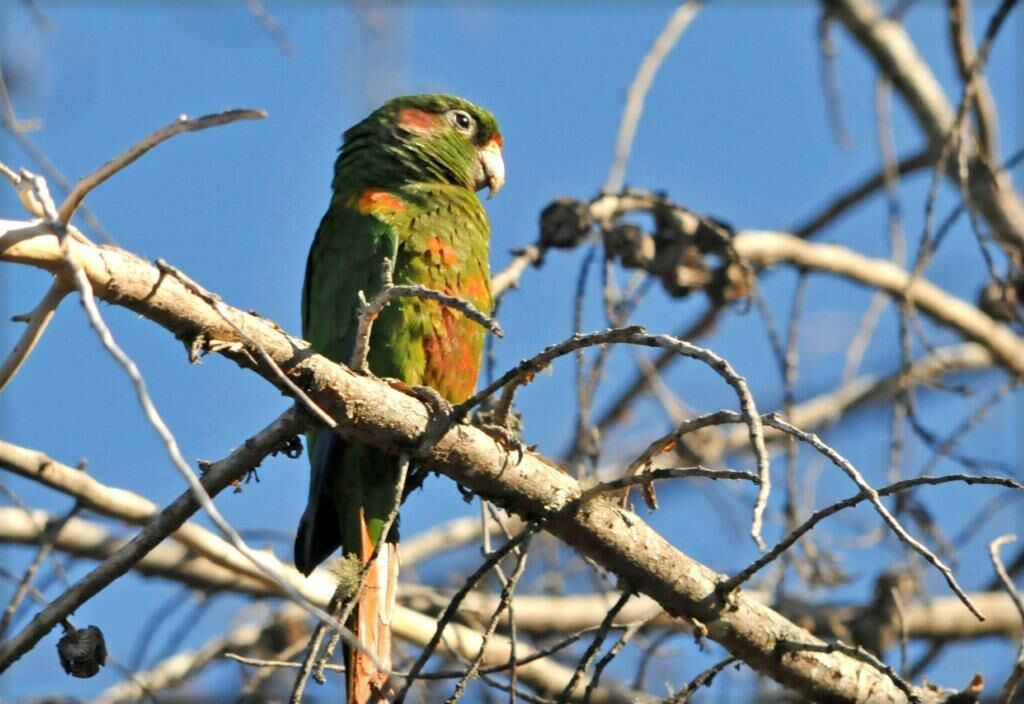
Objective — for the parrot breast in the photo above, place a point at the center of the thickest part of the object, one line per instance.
(443, 245)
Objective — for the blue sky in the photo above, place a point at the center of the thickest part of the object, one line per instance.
(735, 127)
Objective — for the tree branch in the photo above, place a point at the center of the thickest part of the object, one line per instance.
(771, 248)
(219, 476)
(370, 411)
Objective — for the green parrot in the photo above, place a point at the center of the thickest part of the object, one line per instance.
(404, 190)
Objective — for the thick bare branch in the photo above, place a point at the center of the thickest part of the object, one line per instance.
(181, 667)
(931, 618)
(233, 572)
(370, 411)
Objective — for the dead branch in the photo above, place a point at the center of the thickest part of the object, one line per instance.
(926, 619)
(369, 411)
(183, 124)
(84, 538)
(1017, 673)
(897, 57)
(37, 321)
(772, 248)
(645, 73)
(181, 667)
(219, 476)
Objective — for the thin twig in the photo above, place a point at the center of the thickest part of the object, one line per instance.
(38, 320)
(595, 645)
(660, 473)
(46, 544)
(269, 569)
(316, 639)
(453, 604)
(704, 679)
(504, 602)
(84, 286)
(508, 278)
(818, 516)
(661, 47)
(955, 140)
(636, 335)
(215, 302)
(345, 599)
(271, 26)
(1009, 689)
(890, 520)
(857, 194)
(640, 383)
(182, 124)
(605, 660)
(217, 477)
(19, 130)
(964, 52)
(827, 50)
(864, 656)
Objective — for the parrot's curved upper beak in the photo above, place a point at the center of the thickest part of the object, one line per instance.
(490, 167)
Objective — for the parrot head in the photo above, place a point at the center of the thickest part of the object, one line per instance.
(431, 138)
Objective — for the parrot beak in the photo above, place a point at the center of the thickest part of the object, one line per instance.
(490, 167)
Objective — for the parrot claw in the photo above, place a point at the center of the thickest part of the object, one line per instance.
(440, 410)
(508, 439)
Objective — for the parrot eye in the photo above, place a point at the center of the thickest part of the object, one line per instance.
(462, 121)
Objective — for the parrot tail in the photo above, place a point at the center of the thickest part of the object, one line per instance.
(367, 683)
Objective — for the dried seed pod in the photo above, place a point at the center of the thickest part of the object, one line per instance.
(633, 247)
(1001, 300)
(82, 651)
(713, 236)
(732, 282)
(565, 223)
(679, 266)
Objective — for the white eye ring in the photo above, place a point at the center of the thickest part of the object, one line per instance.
(462, 121)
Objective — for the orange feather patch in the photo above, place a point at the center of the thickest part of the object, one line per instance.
(377, 202)
(476, 288)
(442, 251)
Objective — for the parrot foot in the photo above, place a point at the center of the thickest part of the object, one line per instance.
(439, 406)
(440, 410)
(508, 439)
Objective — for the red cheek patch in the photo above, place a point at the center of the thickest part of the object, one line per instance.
(418, 121)
(496, 139)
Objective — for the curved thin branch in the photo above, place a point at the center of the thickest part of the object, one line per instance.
(857, 193)
(38, 320)
(661, 47)
(771, 248)
(892, 49)
(183, 124)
